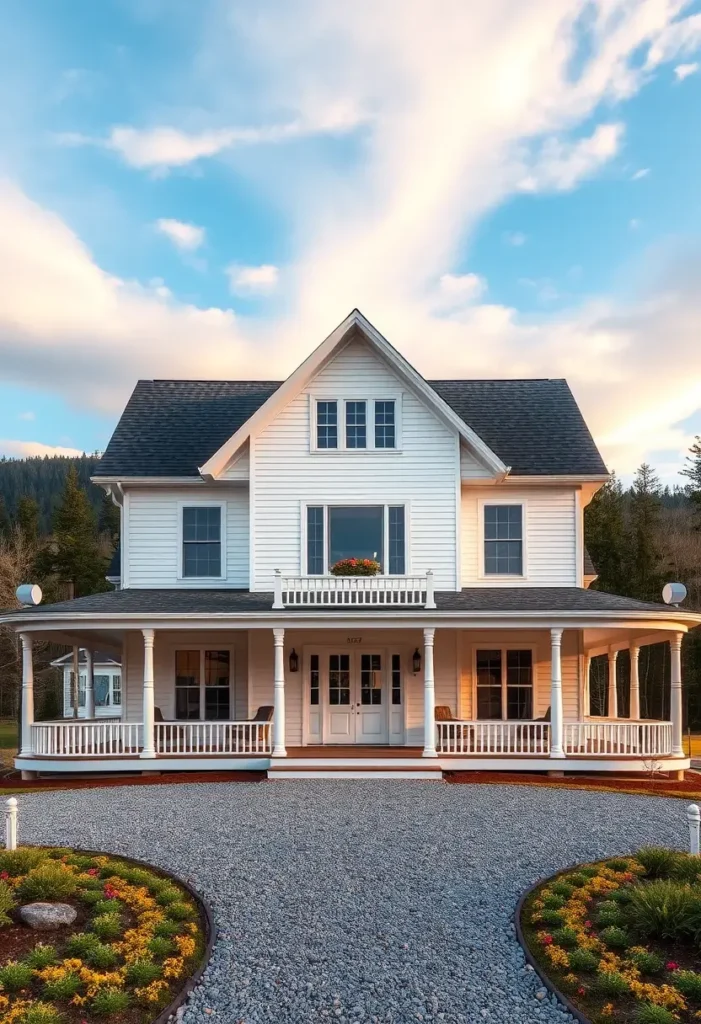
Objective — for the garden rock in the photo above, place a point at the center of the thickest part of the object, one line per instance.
(44, 917)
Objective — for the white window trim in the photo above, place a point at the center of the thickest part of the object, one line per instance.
(361, 503)
(523, 575)
(178, 646)
(369, 423)
(204, 503)
(503, 648)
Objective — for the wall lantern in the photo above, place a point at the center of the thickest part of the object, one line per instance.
(416, 661)
(294, 661)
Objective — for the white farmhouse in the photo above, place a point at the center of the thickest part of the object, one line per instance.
(240, 645)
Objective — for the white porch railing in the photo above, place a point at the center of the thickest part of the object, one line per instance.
(638, 739)
(86, 739)
(329, 591)
(199, 738)
(480, 738)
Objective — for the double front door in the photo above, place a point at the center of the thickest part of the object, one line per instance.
(348, 697)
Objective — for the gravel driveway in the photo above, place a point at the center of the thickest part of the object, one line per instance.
(348, 901)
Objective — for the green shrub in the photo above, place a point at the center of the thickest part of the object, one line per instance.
(91, 896)
(687, 868)
(565, 937)
(577, 879)
(20, 862)
(142, 878)
(64, 988)
(107, 926)
(92, 884)
(81, 860)
(7, 902)
(622, 896)
(40, 957)
(47, 881)
(105, 906)
(552, 917)
(611, 983)
(583, 960)
(101, 956)
(689, 984)
(115, 868)
(665, 909)
(562, 888)
(554, 902)
(109, 1001)
(165, 928)
(14, 976)
(167, 894)
(608, 912)
(617, 864)
(160, 947)
(180, 912)
(41, 1013)
(81, 944)
(143, 972)
(616, 938)
(651, 1014)
(589, 870)
(658, 861)
(647, 963)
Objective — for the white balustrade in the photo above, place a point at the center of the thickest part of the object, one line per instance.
(373, 591)
(200, 738)
(636, 739)
(85, 739)
(484, 738)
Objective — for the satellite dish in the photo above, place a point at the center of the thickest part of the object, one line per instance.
(673, 593)
(29, 595)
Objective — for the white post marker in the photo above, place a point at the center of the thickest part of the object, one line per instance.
(11, 824)
(693, 816)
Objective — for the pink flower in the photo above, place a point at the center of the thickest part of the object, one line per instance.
(587, 924)
(4, 875)
(547, 940)
(92, 871)
(671, 966)
(581, 991)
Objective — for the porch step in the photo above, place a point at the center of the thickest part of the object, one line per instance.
(353, 768)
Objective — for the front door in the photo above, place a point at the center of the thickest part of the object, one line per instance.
(354, 691)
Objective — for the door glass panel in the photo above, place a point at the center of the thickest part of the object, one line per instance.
(396, 679)
(489, 684)
(339, 679)
(314, 679)
(370, 679)
(216, 685)
(187, 684)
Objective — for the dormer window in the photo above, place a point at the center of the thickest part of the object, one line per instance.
(355, 424)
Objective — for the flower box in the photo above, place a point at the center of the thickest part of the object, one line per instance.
(356, 567)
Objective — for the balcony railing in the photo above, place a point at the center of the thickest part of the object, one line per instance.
(86, 739)
(485, 738)
(353, 591)
(213, 737)
(637, 739)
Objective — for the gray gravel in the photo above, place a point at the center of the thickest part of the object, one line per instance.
(359, 901)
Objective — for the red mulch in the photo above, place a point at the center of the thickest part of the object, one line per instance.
(15, 784)
(659, 786)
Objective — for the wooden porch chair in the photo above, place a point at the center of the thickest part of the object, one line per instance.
(462, 733)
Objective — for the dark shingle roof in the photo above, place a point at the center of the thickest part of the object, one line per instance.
(483, 599)
(171, 427)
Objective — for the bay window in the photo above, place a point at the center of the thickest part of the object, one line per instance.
(337, 532)
(504, 684)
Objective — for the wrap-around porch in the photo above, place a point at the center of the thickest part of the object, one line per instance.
(497, 699)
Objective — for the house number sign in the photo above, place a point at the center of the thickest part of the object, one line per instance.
(354, 639)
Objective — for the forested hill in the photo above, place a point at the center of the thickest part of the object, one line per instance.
(44, 480)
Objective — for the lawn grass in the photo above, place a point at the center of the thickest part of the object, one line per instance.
(8, 734)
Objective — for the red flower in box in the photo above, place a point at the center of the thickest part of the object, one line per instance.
(356, 567)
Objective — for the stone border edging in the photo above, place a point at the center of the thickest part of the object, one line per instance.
(205, 911)
(567, 1003)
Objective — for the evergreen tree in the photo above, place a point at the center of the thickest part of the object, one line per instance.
(605, 535)
(692, 471)
(108, 521)
(644, 557)
(27, 518)
(74, 554)
(4, 518)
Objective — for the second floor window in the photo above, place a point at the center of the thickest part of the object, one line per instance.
(503, 540)
(327, 424)
(352, 424)
(356, 427)
(385, 427)
(202, 541)
(356, 531)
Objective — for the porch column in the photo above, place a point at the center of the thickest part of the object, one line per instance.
(556, 713)
(279, 694)
(613, 690)
(586, 687)
(675, 707)
(75, 684)
(634, 682)
(149, 715)
(429, 696)
(89, 683)
(27, 695)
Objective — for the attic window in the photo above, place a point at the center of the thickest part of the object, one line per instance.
(355, 424)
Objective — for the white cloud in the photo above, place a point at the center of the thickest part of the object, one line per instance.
(183, 236)
(562, 165)
(515, 238)
(641, 173)
(27, 449)
(683, 71)
(27, 416)
(246, 280)
(457, 289)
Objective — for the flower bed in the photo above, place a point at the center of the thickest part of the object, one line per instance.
(137, 937)
(620, 939)
(356, 567)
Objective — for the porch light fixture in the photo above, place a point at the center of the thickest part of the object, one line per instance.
(294, 661)
(416, 661)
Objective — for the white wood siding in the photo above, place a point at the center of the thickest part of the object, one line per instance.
(239, 468)
(154, 536)
(550, 536)
(470, 468)
(422, 475)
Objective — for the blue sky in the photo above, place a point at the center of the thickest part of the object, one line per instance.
(206, 190)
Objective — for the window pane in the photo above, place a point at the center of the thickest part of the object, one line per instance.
(216, 704)
(187, 668)
(101, 685)
(81, 690)
(201, 524)
(339, 679)
(519, 668)
(116, 690)
(489, 702)
(314, 679)
(370, 679)
(356, 429)
(216, 668)
(503, 557)
(385, 434)
(187, 702)
(519, 702)
(201, 559)
(397, 543)
(488, 684)
(315, 540)
(396, 679)
(355, 533)
(327, 425)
